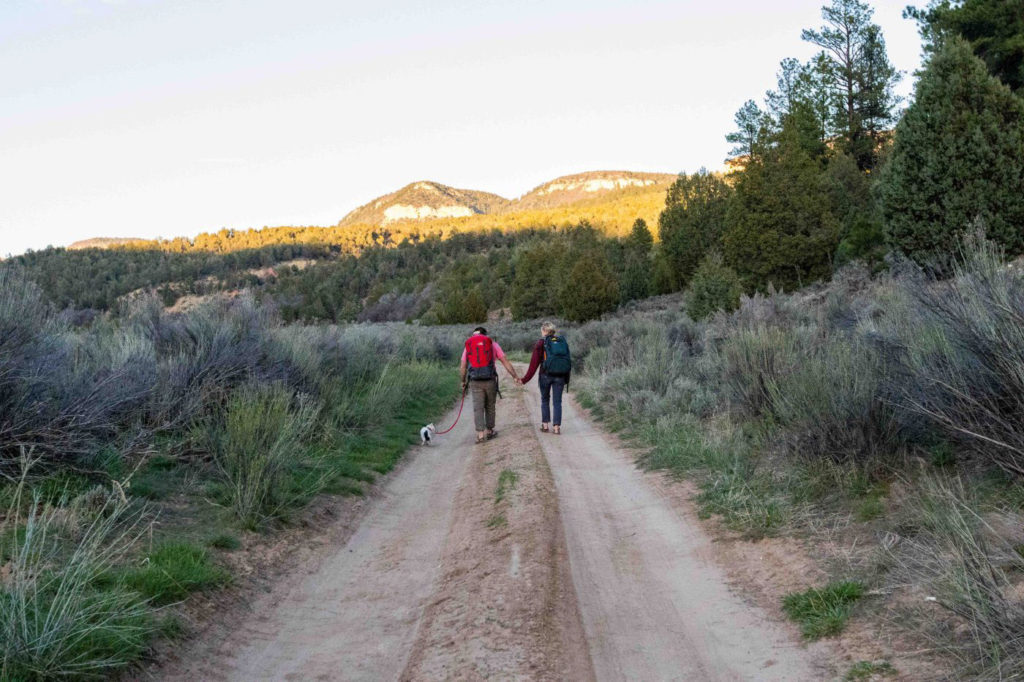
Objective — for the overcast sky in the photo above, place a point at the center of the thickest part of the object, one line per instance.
(154, 118)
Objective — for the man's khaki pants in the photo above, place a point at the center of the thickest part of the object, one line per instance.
(485, 393)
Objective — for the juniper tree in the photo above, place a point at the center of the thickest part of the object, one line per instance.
(692, 222)
(958, 157)
(780, 226)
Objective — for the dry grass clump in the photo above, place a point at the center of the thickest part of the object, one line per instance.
(968, 570)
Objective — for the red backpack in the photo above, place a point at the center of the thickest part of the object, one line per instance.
(480, 358)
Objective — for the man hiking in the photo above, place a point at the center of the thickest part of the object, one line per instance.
(551, 357)
(478, 369)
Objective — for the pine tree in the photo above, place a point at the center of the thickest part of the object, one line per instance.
(750, 123)
(958, 156)
(859, 75)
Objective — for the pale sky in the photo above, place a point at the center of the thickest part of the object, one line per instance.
(149, 118)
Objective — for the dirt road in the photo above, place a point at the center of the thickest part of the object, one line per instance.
(533, 556)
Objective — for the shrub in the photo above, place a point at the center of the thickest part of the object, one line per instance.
(715, 286)
(253, 448)
(956, 556)
(755, 360)
(837, 403)
(55, 619)
(965, 357)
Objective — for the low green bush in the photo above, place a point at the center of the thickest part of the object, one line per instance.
(715, 286)
(823, 612)
(259, 439)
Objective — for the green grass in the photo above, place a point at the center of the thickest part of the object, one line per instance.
(870, 508)
(158, 478)
(172, 572)
(865, 670)
(823, 612)
(497, 521)
(225, 541)
(104, 629)
(507, 480)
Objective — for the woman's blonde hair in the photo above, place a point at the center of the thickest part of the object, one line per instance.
(548, 328)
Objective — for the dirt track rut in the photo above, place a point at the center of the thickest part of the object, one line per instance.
(654, 606)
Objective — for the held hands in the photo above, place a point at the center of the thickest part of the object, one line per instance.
(519, 382)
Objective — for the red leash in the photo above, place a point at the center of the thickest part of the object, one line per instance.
(456, 416)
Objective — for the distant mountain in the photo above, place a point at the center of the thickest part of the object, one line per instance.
(431, 200)
(570, 189)
(425, 200)
(105, 242)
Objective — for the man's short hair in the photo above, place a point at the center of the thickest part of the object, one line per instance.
(481, 330)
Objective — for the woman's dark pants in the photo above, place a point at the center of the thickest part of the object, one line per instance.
(551, 387)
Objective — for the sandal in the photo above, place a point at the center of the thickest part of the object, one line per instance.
(481, 440)
(492, 434)
(557, 430)
(544, 428)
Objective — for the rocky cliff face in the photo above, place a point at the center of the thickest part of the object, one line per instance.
(422, 200)
(104, 242)
(569, 189)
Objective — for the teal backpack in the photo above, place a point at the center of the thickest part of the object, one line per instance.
(557, 360)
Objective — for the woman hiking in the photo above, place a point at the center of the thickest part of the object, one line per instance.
(478, 369)
(551, 357)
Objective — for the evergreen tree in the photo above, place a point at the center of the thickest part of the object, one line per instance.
(958, 156)
(473, 308)
(636, 279)
(994, 28)
(692, 222)
(859, 75)
(715, 287)
(860, 220)
(640, 239)
(590, 288)
(538, 274)
(750, 129)
(780, 223)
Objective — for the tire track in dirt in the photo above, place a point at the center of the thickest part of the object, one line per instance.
(653, 603)
(505, 606)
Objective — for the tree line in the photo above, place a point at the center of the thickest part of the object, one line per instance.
(827, 169)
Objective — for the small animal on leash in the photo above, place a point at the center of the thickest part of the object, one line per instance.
(425, 434)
